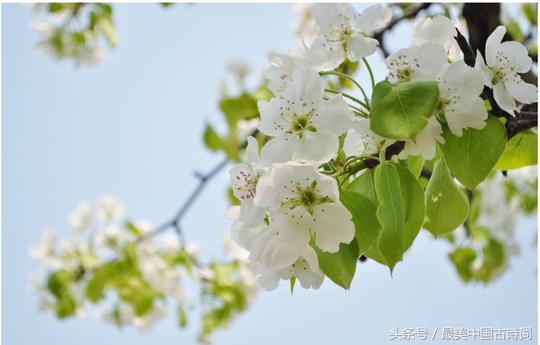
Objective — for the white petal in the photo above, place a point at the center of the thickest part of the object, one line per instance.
(332, 226)
(519, 90)
(439, 30)
(233, 212)
(319, 147)
(425, 143)
(278, 149)
(493, 44)
(372, 19)
(252, 151)
(504, 99)
(481, 66)
(432, 60)
(279, 72)
(360, 46)
(306, 269)
(306, 86)
(324, 55)
(360, 140)
(472, 114)
(242, 182)
(331, 14)
(273, 122)
(514, 56)
(333, 115)
(461, 81)
(269, 281)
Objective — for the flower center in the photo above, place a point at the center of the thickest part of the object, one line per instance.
(301, 123)
(307, 197)
(498, 76)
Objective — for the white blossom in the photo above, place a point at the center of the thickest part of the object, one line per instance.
(505, 61)
(439, 30)
(425, 143)
(425, 62)
(459, 89)
(305, 125)
(302, 203)
(304, 27)
(342, 33)
(45, 250)
(82, 218)
(305, 269)
(109, 208)
(361, 140)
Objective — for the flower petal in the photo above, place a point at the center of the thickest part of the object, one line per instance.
(360, 46)
(493, 44)
(319, 147)
(333, 115)
(372, 19)
(471, 114)
(513, 56)
(273, 121)
(278, 149)
(332, 225)
(481, 66)
(519, 90)
(425, 142)
(504, 99)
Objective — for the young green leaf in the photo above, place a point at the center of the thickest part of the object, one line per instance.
(472, 156)
(520, 151)
(340, 266)
(463, 259)
(415, 209)
(391, 213)
(364, 217)
(446, 205)
(212, 140)
(365, 185)
(400, 111)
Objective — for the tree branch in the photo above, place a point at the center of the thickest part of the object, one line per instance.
(175, 221)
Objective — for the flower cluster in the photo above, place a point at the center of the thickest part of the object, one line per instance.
(131, 276)
(289, 189)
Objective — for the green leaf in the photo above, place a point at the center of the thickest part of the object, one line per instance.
(365, 185)
(400, 111)
(446, 205)
(463, 259)
(521, 150)
(472, 156)
(58, 284)
(182, 317)
(238, 108)
(414, 164)
(415, 210)
(364, 217)
(340, 266)
(133, 229)
(391, 213)
(212, 140)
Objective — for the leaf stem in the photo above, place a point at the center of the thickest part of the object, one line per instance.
(346, 95)
(351, 79)
(370, 74)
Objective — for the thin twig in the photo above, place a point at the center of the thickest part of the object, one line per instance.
(175, 221)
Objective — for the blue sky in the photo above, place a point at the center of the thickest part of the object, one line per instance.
(131, 126)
